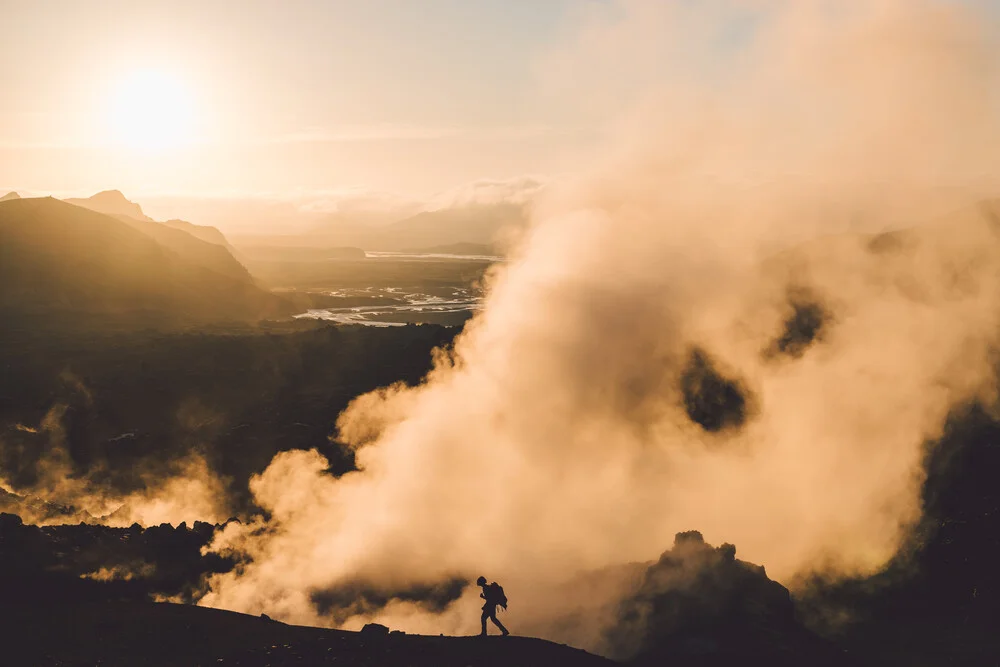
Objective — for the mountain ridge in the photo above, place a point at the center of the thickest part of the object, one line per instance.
(66, 258)
(155, 634)
(179, 235)
(111, 202)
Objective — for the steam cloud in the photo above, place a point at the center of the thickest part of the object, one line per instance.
(49, 489)
(664, 353)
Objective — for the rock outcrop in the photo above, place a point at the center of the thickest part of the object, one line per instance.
(700, 605)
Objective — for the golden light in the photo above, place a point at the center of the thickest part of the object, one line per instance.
(152, 110)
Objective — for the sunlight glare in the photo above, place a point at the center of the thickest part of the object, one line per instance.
(152, 110)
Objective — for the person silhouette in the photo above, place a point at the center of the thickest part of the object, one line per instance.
(494, 595)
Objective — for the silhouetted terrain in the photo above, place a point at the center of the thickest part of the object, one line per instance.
(185, 240)
(938, 601)
(113, 203)
(203, 232)
(59, 261)
(700, 605)
(121, 634)
(696, 605)
(134, 402)
(81, 595)
(78, 562)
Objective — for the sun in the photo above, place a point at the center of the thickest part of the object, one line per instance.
(152, 110)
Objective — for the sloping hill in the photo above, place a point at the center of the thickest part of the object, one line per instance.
(213, 256)
(57, 257)
(204, 245)
(52, 615)
(207, 234)
(9, 196)
(203, 232)
(147, 634)
(114, 203)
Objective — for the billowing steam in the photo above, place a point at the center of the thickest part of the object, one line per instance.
(706, 333)
(46, 488)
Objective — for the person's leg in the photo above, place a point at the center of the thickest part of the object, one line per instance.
(493, 617)
(486, 615)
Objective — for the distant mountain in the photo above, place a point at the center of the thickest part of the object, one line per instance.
(213, 256)
(111, 202)
(207, 234)
(9, 196)
(480, 224)
(59, 258)
(203, 232)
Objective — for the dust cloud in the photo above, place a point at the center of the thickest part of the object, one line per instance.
(713, 329)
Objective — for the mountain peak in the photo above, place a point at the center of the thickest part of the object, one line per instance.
(110, 195)
(112, 202)
(10, 195)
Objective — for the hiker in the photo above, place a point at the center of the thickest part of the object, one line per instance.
(494, 595)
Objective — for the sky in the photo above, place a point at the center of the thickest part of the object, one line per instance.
(231, 98)
(237, 113)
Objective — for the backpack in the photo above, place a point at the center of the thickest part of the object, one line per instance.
(497, 595)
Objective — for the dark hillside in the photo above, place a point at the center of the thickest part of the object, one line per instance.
(168, 635)
(214, 256)
(60, 260)
(938, 601)
(77, 595)
(135, 401)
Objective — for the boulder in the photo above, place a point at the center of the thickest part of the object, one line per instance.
(375, 630)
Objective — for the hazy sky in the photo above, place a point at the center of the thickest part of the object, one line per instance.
(240, 97)
(173, 100)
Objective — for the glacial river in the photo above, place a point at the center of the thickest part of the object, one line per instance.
(398, 306)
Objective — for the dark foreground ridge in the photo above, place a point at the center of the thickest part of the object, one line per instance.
(82, 595)
(147, 634)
